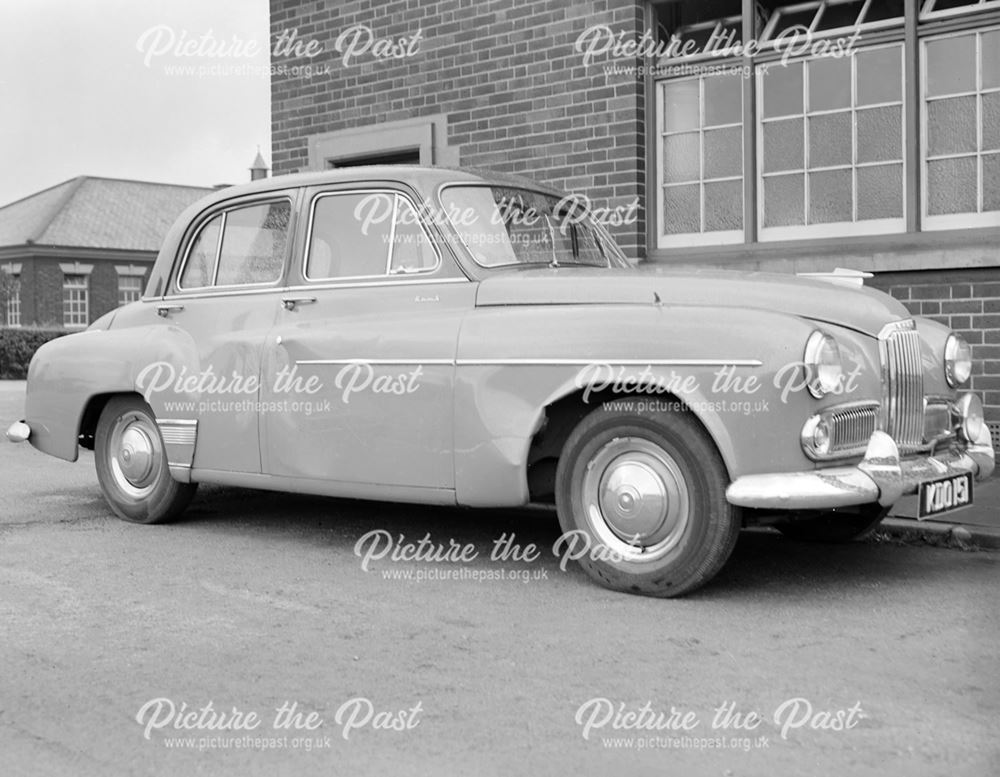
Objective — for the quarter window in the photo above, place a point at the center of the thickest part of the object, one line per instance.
(199, 269)
(412, 250)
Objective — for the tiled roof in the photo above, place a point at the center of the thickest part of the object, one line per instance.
(90, 212)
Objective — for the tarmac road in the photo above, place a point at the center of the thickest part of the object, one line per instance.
(256, 600)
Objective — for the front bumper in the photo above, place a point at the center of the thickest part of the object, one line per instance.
(879, 477)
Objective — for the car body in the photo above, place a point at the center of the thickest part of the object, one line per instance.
(451, 337)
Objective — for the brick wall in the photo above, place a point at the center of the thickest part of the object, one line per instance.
(968, 301)
(42, 288)
(47, 293)
(517, 95)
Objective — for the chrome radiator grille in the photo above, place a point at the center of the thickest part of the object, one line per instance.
(852, 427)
(903, 385)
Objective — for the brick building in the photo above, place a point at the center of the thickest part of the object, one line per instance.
(72, 252)
(758, 134)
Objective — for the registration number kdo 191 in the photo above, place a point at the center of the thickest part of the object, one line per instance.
(941, 496)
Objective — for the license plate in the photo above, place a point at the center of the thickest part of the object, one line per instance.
(945, 495)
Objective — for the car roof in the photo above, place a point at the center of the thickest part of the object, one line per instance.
(420, 177)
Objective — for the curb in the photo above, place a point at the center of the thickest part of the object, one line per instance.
(937, 533)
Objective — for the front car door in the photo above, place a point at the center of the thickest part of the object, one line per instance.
(362, 357)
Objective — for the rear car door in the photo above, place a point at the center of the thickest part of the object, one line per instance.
(222, 301)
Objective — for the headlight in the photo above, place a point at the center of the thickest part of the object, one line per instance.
(822, 361)
(957, 360)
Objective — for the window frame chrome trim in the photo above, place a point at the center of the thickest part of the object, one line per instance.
(318, 287)
(207, 219)
(396, 193)
(538, 190)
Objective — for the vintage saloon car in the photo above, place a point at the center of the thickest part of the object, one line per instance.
(447, 337)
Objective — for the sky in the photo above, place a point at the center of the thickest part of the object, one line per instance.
(91, 87)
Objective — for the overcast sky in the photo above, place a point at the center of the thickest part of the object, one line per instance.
(77, 97)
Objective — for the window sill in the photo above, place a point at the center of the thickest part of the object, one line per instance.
(953, 249)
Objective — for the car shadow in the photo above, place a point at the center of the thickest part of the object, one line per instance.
(764, 563)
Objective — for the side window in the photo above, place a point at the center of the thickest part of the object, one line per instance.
(253, 244)
(239, 247)
(350, 236)
(366, 235)
(200, 267)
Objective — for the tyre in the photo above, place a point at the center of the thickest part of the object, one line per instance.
(132, 464)
(843, 525)
(645, 497)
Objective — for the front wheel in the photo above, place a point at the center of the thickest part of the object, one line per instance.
(132, 464)
(645, 497)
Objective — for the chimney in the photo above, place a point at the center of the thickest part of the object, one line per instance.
(259, 167)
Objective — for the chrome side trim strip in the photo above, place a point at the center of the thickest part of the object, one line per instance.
(393, 362)
(613, 362)
(545, 362)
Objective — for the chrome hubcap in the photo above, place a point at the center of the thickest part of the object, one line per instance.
(635, 498)
(134, 455)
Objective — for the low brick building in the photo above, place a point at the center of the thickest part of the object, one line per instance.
(73, 252)
(760, 134)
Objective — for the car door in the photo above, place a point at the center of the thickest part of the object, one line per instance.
(363, 351)
(222, 302)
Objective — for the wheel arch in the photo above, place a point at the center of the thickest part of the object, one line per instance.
(91, 414)
(562, 415)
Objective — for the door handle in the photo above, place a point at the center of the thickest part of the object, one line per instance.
(289, 303)
(165, 310)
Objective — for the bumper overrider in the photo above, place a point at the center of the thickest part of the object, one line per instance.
(881, 476)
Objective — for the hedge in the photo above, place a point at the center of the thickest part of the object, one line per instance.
(17, 346)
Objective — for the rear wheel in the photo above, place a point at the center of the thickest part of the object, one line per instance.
(132, 464)
(843, 525)
(641, 501)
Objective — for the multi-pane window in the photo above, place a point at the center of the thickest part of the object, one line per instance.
(13, 304)
(837, 148)
(76, 301)
(830, 17)
(129, 288)
(830, 145)
(961, 121)
(931, 9)
(700, 121)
